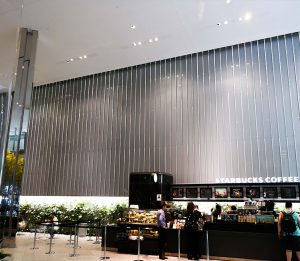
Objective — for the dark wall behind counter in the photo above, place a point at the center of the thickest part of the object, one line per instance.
(229, 112)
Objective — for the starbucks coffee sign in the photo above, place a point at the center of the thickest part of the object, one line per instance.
(258, 180)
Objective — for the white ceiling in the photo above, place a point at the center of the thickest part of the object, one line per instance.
(101, 30)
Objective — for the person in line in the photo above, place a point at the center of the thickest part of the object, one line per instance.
(54, 223)
(162, 235)
(290, 240)
(191, 227)
(217, 212)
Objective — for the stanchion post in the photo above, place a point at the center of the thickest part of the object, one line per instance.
(97, 233)
(34, 240)
(90, 237)
(70, 239)
(139, 245)
(75, 242)
(207, 246)
(178, 244)
(104, 257)
(51, 238)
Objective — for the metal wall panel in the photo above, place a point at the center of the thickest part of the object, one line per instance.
(229, 112)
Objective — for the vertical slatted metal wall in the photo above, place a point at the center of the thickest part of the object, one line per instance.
(229, 112)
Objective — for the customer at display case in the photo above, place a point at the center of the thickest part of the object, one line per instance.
(289, 232)
(162, 235)
(217, 212)
(191, 227)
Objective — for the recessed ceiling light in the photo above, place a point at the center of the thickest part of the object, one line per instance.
(134, 44)
(133, 27)
(248, 16)
(15, 73)
(228, 1)
(80, 57)
(23, 67)
(84, 56)
(150, 40)
(156, 39)
(139, 43)
(240, 18)
(226, 22)
(71, 60)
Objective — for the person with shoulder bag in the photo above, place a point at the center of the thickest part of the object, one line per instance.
(289, 231)
(191, 227)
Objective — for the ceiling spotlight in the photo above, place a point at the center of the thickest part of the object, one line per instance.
(71, 60)
(15, 74)
(156, 39)
(84, 56)
(23, 67)
(139, 43)
(150, 40)
(240, 18)
(248, 16)
(134, 44)
(226, 22)
(133, 27)
(228, 1)
(219, 24)
(80, 57)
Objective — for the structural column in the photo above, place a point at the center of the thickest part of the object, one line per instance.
(17, 129)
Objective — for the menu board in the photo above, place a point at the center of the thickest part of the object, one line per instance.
(270, 192)
(177, 192)
(221, 193)
(191, 192)
(288, 192)
(253, 192)
(236, 192)
(205, 192)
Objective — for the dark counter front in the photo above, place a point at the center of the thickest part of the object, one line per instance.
(243, 240)
(229, 240)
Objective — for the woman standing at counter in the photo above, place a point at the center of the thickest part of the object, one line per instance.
(288, 230)
(191, 227)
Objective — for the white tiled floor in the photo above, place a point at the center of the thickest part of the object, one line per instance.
(88, 250)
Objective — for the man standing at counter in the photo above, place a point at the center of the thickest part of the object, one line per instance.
(162, 236)
(289, 232)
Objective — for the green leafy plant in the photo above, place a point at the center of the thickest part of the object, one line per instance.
(33, 214)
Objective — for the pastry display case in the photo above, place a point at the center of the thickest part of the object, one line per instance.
(139, 217)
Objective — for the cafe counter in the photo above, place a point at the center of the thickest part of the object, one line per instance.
(225, 239)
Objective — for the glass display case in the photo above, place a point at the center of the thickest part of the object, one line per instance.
(144, 217)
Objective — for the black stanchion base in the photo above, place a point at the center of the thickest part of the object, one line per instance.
(50, 252)
(71, 255)
(104, 257)
(138, 260)
(34, 248)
